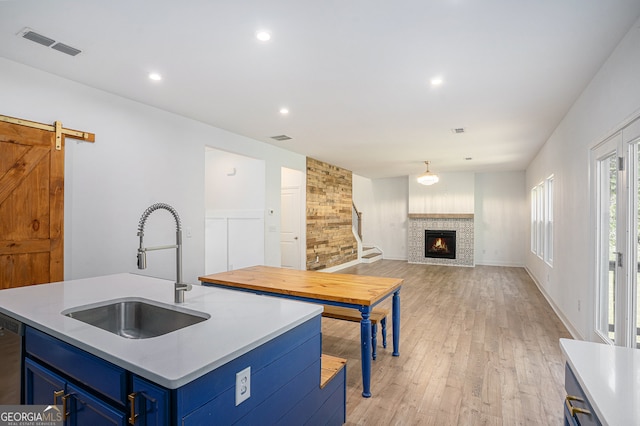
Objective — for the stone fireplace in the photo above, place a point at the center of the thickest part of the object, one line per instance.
(441, 239)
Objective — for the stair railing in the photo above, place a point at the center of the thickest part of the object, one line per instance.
(357, 220)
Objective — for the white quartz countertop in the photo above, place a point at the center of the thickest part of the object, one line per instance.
(610, 378)
(239, 323)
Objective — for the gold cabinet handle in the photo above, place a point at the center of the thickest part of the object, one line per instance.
(575, 410)
(56, 395)
(65, 414)
(132, 401)
(60, 394)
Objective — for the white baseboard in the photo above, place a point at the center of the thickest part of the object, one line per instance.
(342, 266)
(507, 264)
(572, 330)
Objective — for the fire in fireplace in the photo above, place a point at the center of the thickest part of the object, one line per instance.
(440, 244)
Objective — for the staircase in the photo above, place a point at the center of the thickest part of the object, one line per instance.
(371, 254)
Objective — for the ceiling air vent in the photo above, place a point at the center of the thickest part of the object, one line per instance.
(458, 130)
(281, 138)
(38, 38)
(61, 47)
(29, 34)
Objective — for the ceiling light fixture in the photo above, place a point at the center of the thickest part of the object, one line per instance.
(428, 178)
(284, 111)
(263, 35)
(155, 76)
(436, 81)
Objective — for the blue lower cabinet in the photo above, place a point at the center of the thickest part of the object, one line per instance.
(44, 387)
(151, 403)
(577, 408)
(284, 378)
(84, 409)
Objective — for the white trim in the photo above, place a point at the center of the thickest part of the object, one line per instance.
(342, 266)
(572, 330)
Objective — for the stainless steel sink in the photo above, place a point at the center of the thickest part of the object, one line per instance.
(136, 318)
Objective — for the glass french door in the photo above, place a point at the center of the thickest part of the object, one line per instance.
(634, 244)
(607, 242)
(616, 166)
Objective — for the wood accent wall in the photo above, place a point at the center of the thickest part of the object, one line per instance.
(329, 200)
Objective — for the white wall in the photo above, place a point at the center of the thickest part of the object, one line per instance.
(384, 205)
(454, 193)
(234, 205)
(501, 209)
(142, 155)
(611, 99)
(233, 182)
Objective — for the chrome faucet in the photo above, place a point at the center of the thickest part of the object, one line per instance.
(180, 287)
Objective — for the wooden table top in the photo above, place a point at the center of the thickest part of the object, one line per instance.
(343, 288)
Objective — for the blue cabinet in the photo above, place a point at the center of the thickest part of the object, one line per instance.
(285, 386)
(85, 409)
(151, 403)
(44, 387)
(92, 391)
(577, 408)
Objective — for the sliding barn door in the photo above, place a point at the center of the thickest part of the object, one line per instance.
(31, 206)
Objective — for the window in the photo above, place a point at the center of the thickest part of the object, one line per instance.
(548, 220)
(534, 221)
(540, 215)
(542, 220)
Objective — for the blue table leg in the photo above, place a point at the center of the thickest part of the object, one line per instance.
(365, 355)
(374, 340)
(396, 323)
(384, 332)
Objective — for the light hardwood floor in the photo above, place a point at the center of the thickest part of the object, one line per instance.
(478, 346)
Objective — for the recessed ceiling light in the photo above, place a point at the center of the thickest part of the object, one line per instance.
(436, 81)
(284, 111)
(155, 76)
(263, 35)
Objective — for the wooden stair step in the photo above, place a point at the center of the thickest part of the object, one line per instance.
(370, 255)
(330, 366)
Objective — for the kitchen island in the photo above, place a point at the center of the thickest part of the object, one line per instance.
(186, 376)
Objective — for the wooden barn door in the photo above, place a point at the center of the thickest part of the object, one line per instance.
(32, 200)
(31, 206)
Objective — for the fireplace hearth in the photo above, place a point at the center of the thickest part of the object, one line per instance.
(440, 244)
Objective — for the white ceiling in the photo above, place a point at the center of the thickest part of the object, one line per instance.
(354, 73)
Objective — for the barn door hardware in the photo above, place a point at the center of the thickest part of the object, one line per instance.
(56, 127)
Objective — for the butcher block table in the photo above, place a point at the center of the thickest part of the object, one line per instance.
(350, 291)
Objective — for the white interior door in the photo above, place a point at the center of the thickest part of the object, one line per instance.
(290, 228)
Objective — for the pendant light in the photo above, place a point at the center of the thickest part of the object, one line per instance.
(428, 178)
